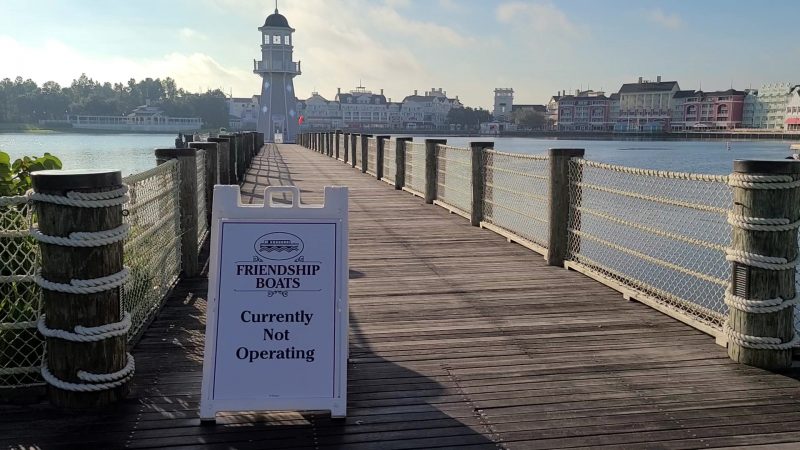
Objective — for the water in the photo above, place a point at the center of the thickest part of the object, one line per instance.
(130, 153)
(682, 156)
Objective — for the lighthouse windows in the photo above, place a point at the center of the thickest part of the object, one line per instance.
(276, 39)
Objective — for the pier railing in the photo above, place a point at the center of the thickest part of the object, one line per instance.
(155, 250)
(661, 238)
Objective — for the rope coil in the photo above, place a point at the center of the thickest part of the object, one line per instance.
(87, 334)
(758, 342)
(84, 238)
(105, 199)
(759, 306)
(762, 224)
(95, 382)
(748, 181)
(90, 286)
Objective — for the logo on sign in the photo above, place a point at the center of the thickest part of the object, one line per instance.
(279, 246)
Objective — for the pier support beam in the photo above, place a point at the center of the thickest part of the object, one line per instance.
(211, 174)
(431, 168)
(478, 150)
(558, 211)
(187, 168)
(62, 310)
(400, 161)
(763, 253)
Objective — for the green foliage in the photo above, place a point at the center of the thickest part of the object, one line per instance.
(528, 119)
(23, 101)
(468, 117)
(15, 178)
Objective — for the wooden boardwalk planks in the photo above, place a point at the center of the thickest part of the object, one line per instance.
(458, 339)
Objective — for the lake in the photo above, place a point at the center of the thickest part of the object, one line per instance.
(132, 153)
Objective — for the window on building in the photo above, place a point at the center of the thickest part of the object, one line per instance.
(276, 39)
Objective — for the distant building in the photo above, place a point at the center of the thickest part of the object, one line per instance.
(533, 108)
(792, 121)
(552, 109)
(646, 106)
(766, 107)
(243, 112)
(362, 109)
(698, 110)
(503, 104)
(145, 118)
(584, 111)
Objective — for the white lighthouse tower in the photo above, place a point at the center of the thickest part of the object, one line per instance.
(278, 112)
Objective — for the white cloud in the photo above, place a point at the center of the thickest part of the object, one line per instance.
(191, 34)
(428, 32)
(53, 60)
(669, 21)
(540, 17)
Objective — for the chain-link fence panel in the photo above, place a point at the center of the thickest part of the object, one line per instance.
(389, 161)
(21, 347)
(415, 167)
(202, 205)
(372, 156)
(454, 177)
(153, 248)
(661, 234)
(516, 195)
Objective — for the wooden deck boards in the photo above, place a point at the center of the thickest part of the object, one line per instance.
(458, 339)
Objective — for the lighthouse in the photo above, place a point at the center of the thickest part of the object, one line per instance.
(278, 112)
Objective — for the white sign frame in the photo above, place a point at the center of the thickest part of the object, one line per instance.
(227, 206)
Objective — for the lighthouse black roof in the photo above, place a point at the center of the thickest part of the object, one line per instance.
(276, 20)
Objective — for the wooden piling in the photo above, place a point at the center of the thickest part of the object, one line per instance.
(558, 210)
(353, 148)
(431, 164)
(60, 264)
(347, 145)
(478, 150)
(756, 199)
(400, 161)
(336, 143)
(187, 168)
(223, 159)
(211, 173)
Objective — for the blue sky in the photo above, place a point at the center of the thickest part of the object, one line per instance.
(467, 47)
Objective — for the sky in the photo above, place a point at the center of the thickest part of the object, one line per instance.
(467, 47)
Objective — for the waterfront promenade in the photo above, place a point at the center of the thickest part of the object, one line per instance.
(458, 339)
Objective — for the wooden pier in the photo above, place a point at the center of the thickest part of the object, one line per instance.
(459, 339)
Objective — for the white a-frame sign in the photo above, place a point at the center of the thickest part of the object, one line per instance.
(276, 332)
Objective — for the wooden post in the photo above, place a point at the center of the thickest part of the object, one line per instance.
(187, 168)
(346, 150)
(60, 264)
(365, 152)
(400, 161)
(756, 198)
(379, 156)
(336, 143)
(558, 213)
(431, 167)
(232, 178)
(211, 173)
(223, 159)
(478, 180)
(353, 142)
(241, 146)
(331, 137)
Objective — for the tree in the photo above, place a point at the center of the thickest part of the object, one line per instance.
(468, 117)
(526, 118)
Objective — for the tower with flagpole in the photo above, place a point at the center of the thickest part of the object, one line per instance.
(278, 111)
